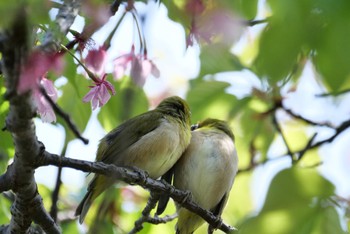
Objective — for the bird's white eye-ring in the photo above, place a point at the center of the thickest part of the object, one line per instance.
(194, 127)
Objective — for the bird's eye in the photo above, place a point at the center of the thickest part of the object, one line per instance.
(194, 127)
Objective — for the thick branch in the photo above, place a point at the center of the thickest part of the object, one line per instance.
(14, 48)
(135, 177)
(64, 19)
(19, 123)
(6, 179)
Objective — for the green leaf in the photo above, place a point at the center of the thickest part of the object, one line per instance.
(283, 39)
(296, 186)
(129, 101)
(38, 11)
(248, 8)
(70, 227)
(70, 69)
(208, 99)
(278, 50)
(333, 53)
(5, 214)
(176, 12)
(8, 10)
(297, 202)
(217, 58)
(71, 102)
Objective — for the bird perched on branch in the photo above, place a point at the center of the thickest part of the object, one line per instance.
(152, 141)
(207, 169)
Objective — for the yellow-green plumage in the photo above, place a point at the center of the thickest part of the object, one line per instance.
(152, 141)
(206, 169)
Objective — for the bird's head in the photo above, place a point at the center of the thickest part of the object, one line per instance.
(214, 123)
(176, 107)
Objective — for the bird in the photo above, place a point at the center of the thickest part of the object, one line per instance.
(206, 169)
(152, 141)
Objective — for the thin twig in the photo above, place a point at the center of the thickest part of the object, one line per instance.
(56, 191)
(297, 116)
(158, 220)
(308, 145)
(255, 22)
(139, 31)
(345, 91)
(151, 204)
(345, 125)
(279, 130)
(64, 115)
(107, 42)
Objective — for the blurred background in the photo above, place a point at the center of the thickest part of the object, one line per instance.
(276, 70)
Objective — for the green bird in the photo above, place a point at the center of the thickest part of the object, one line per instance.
(152, 141)
(207, 169)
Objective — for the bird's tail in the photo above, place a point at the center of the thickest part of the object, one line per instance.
(98, 184)
(84, 206)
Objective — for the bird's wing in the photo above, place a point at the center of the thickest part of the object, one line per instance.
(126, 134)
(164, 199)
(218, 209)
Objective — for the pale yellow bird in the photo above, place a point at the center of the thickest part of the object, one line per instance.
(207, 169)
(152, 141)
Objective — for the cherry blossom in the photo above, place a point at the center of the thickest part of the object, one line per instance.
(141, 67)
(100, 93)
(96, 60)
(36, 66)
(210, 25)
(44, 108)
(195, 7)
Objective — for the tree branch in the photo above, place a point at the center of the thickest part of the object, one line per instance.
(6, 179)
(20, 175)
(297, 116)
(64, 19)
(279, 130)
(134, 177)
(151, 204)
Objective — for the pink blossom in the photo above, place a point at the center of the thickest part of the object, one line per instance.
(96, 60)
(195, 7)
(121, 63)
(141, 67)
(36, 66)
(218, 24)
(82, 41)
(100, 93)
(43, 107)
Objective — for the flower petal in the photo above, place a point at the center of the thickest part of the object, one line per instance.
(96, 60)
(139, 71)
(154, 70)
(109, 86)
(44, 108)
(37, 64)
(49, 88)
(103, 95)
